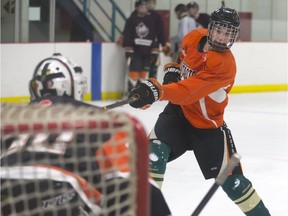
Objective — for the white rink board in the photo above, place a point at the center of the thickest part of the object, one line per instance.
(261, 63)
(257, 63)
(18, 62)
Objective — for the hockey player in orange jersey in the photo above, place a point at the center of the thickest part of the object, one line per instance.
(197, 89)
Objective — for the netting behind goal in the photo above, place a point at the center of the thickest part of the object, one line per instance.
(63, 160)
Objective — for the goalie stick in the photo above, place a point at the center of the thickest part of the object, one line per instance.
(120, 103)
(218, 181)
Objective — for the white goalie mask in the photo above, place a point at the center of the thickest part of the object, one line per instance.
(58, 75)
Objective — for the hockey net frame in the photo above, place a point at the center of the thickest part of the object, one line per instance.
(17, 120)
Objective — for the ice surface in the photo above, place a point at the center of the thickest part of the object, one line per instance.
(258, 123)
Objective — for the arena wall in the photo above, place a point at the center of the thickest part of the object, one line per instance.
(261, 67)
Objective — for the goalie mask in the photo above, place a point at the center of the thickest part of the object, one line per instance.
(58, 75)
(223, 28)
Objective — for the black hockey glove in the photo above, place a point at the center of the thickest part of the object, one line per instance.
(171, 73)
(146, 93)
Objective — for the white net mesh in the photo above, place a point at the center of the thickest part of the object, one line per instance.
(63, 160)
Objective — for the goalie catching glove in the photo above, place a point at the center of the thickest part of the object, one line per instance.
(146, 93)
(171, 73)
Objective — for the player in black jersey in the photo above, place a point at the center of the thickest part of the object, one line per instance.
(139, 43)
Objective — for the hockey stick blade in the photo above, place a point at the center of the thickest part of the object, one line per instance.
(120, 103)
(235, 159)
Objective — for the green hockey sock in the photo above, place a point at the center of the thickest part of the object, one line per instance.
(159, 154)
(240, 190)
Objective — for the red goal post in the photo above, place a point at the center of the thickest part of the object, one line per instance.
(80, 149)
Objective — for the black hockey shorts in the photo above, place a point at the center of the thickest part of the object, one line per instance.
(212, 147)
(139, 63)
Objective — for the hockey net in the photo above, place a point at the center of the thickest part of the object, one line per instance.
(62, 160)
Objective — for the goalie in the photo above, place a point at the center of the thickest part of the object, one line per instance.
(69, 166)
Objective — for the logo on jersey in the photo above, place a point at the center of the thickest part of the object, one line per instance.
(142, 30)
(204, 56)
(186, 72)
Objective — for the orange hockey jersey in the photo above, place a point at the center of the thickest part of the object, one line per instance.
(207, 79)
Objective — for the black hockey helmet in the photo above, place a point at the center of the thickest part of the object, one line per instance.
(140, 2)
(181, 11)
(223, 18)
(180, 8)
(193, 4)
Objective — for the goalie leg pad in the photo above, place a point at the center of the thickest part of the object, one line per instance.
(240, 190)
(158, 158)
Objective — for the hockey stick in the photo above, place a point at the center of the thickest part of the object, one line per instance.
(120, 103)
(218, 181)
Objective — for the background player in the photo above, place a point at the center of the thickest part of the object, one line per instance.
(185, 25)
(139, 42)
(202, 19)
(197, 90)
(58, 80)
